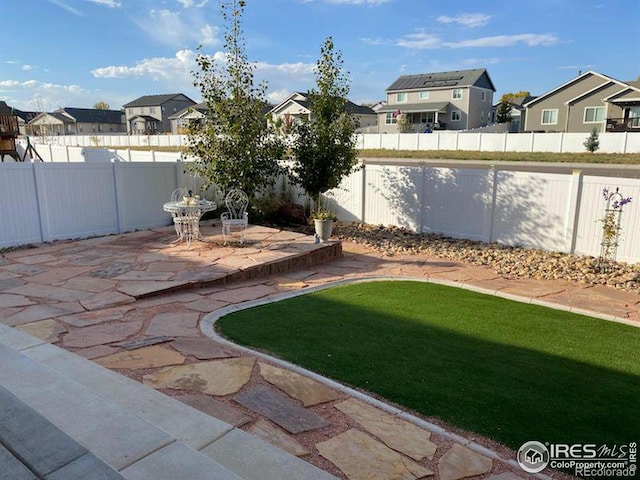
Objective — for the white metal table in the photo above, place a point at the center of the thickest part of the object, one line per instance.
(186, 218)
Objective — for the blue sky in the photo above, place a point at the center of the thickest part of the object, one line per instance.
(74, 53)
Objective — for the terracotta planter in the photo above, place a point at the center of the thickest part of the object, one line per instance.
(323, 229)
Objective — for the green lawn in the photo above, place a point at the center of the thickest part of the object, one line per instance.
(510, 371)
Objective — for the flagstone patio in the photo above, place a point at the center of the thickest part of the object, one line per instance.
(134, 303)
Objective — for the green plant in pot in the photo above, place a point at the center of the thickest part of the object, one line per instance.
(323, 149)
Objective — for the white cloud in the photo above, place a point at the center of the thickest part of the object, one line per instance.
(178, 28)
(481, 61)
(423, 41)
(66, 7)
(192, 3)
(528, 39)
(470, 20)
(178, 68)
(9, 84)
(352, 2)
(277, 96)
(27, 67)
(106, 3)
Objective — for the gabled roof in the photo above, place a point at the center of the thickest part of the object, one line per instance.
(573, 81)
(456, 78)
(198, 107)
(302, 100)
(154, 100)
(146, 118)
(93, 115)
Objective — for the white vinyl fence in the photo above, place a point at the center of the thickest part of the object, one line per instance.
(610, 142)
(549, 208)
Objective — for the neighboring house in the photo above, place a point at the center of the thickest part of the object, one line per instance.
(517, 113)
(457, 100)
(296, 108)
(77, 121)
(587, 101)
(180, 120)
(149, 115)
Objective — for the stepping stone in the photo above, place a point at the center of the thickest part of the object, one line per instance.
(277, 437)
(143, 342)
(90, 284)
(202, 348)
(103, 300)
(215, 408)
(85, 319)
(218, 377)
(460, 462)
(280, 409)
(361, 457)
(101, 334)
(174, 325)
(34, 313)
(47, 330)
(58, 275)
(402, 436)
(59, 294)
(308, 391)
(7, 300)
(149, 357)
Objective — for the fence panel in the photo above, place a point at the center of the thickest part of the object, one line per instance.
(519, 142)
(408, 141)
(20, 221)
(346, 200)
(494, 142)
(531, 210)
(448, 141)
(457, 202)
(469, 141)
(142, 189)
(76, 199)
(393, 196)
(592, 205)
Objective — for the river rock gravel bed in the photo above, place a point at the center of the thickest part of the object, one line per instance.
(509, 262)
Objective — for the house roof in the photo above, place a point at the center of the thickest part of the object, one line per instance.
(415, 107)
(5, 109)
(199, 107)
(154, 100)
(606, 78)
(350, 107)
(456, 78)
(146, 118)
(93, 115)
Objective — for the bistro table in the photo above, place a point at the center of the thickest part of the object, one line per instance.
(186, 218)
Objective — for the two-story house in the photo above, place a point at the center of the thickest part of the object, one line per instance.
(456, 100)
(77, 121)
(149, 114)
(590, 100)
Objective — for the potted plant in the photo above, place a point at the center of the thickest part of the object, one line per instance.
(323, 148)
(323, 221)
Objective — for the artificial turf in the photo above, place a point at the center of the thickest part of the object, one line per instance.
(507, 370)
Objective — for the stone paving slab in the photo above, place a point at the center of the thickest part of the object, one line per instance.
(302, 388)
(202, 348)
(47, 330)
(215, 408)
(13, 469)
(254, 459)
(280, 409)
(277, 437)
(460, 462)
(148, 357)
(43, 311)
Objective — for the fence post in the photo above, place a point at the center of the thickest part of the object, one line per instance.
(504, 142)
(624, 142)
(398, 147)
(363, 197)
(153, 156)
(573, 213)
(38, 178)
(494, 199)
(533, 134)
(479, 141)
(457, 137)
(115, 169)
(66, 148)
(561, 146)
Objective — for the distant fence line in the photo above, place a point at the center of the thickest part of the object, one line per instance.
(610, 142)
(557, 209)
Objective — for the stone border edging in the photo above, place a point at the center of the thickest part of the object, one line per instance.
(207, 326)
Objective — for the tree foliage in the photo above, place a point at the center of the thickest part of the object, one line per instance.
(592, 143)
(233, 145)
(503, 113)
(324, 147)
(101, 105)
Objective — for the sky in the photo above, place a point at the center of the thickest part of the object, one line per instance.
(75, 53)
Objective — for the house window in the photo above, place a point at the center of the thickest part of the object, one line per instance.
(390, 119)
(593, 114)
(482, 115)
(424, 95)
(455, 115)
(152, 109)
(550, 117)
(456, 94)
(401, 97)
(483, 96)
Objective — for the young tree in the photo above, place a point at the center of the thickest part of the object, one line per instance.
(233, 145)
(101, 105)
(503, 114)
(324, 147)
(592, 143)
